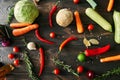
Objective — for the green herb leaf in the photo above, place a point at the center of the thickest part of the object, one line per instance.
(10, 15)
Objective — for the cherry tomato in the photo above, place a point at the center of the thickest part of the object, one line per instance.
(52, 35)
(90, 74)
(80, 69)
(76, 1)
(16, 62)
(10, 56)
(90, 27)
(81, 57)
(16, 49)
(56, 71)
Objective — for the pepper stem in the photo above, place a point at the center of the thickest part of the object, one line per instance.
(57, 3)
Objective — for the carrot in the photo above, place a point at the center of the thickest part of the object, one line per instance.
(21, 31)
(110, 5)
(79, 25)
(111, 58)
(18, 25)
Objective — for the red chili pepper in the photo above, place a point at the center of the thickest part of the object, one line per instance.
(65, 42)
(52, 11)
(42, 39)
(97, 51)
(42, 60)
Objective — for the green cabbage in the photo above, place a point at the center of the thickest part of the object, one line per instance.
(25, 11)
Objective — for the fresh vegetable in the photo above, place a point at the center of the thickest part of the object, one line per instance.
(5, 42)
(81, 57)
(16, 49)
(116, 18)
(92, 3)
(16, 62)
(24, 30)
(56, 71)
(31, 46)
(11, 56)
(94, 41)
(66, 41)
(52, 34)
(106, 75)
(110, 5)
(29, 67)
(4, 70)
(19, 25)
(42, 39)
(90, 27)
(64, 17)
(42, 60)
(86, 42)
(90, 74)
(80, 69)
(80, 28)
(65, 67)
(97, 51)
(111, 58)
(95, 16)
(76, 1)
(10, 15)
(52, 11)
(25, 11)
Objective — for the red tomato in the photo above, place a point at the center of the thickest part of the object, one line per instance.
(10, 56)
(76, 1)
(52, 35)
(80, 69)
(90, 27)
(16, 49)
(16, 62)
(56, 71)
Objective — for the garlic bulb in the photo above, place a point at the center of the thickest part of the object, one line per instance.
(31, 46)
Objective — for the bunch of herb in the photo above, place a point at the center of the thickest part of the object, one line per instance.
(10, 15)
(29, 67)
(65, 67)
(115, 71)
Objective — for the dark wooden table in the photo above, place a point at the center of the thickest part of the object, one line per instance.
(71, 51)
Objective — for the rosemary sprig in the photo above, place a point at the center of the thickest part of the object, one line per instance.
(29, 67)
(65, 67)
(10, 15)
(115, 71)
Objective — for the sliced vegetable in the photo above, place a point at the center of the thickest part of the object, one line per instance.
(62, 45)
(110, 5)
(52, 11)
(24, 30)
(94, 41)
(42, 60)
(19, 25)
(95, 16)
(92, 3)
(31, 46)
(116, 18)
(97, 51)
(111, 58)
(80, 28)
(42, 39)
(86, 42)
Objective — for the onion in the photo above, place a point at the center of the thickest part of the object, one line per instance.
(5, 42)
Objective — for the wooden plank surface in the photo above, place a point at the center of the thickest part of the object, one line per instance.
(71, 51)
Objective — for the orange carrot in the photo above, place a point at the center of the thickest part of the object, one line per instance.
(111, 58)
(18, 25)
(79, 25)
(110, 5)
(21, 31)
